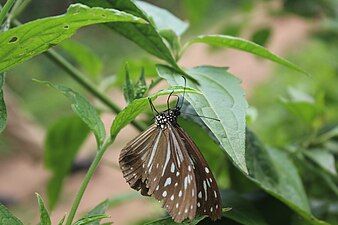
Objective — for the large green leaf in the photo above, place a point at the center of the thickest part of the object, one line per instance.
(244, 45)
(137, 106)
(274, 172)
(63, 141)
(241, 210)
(84, 110)
(22, 43)
(145, 36)
(44, 215)
(223, 99)
(163, 19)
(7, 218)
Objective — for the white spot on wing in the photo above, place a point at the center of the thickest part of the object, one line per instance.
(206, 170)
(167, 182)
(164, 194)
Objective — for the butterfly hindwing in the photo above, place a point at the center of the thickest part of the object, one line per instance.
(208, 196)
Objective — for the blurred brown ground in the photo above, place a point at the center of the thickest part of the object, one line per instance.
(23, 175)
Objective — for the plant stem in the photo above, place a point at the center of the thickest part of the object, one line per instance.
(99, 154)
(4, 11)
(80, 78)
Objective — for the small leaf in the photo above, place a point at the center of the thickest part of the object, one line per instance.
(169, 221)
(85, 57)
(244, 45)
(62, 220)
(134, 68)
(83, 109)
(301, 104)
(62, 143)
(7, 218)
(128, 88)
(145, 36)
(136, 107)
(223, 99)
(44, 215)
(113, 202)
(322, 158)
(22, 43)
(90, 219)
(3, 109)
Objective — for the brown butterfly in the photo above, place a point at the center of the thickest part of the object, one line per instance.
(165, 163)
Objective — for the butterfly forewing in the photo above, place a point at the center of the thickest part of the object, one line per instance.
(165, 163)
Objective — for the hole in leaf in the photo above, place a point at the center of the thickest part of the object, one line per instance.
(66, 27)
(13, 39)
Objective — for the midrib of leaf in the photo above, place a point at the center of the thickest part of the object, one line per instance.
(223, 125)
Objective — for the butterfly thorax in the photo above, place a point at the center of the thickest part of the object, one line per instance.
(168, 116)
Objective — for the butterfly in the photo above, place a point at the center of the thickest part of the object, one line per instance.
(165, 163)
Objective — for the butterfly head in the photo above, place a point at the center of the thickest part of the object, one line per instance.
(168, 116)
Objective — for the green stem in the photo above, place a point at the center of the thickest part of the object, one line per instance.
(87, 178)
(5, 10)
(80, 78)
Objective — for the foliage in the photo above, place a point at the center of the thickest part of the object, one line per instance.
(295, 123)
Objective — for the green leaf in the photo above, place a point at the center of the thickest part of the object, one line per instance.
(322, 158)
(44, 215)
(261, 36)
(3, 109)
(62, 220)
(85, 57)
(83, 109)
(242, 211)
(223, 99)
(145, 36)
(244, 45)
(274, 172)
(136, 107)
(62, 143)
(90, 219)
(22, 43)
(109, 203)
(301, 104)
(162, 19)
(6, 218)
(169, 221)
(134, 68)
(208, 147)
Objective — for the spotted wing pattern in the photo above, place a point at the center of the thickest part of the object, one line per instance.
(166, 164)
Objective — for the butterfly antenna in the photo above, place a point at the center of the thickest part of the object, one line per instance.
(153, 109)
(206, 117)
(168, 99)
